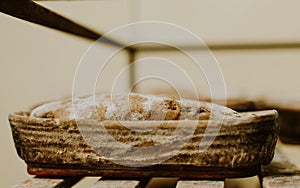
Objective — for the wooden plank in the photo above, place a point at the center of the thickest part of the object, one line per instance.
(38, 182)
(280, 173)
(281, 181)
(280, 165)
(115, 183)
(200, 183)
(222, 46)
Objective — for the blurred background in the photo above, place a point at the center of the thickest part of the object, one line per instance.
(38, 64)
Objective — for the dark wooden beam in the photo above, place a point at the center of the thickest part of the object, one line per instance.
(35, 13)
(219, 47)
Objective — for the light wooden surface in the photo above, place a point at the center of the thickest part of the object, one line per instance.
(118, 184)
(281, 181)
(48, 182)
(200, 183)
(281, 173)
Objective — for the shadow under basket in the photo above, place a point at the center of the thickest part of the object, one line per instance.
(237, 146)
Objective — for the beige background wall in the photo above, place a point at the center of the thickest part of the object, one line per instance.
(38, 64)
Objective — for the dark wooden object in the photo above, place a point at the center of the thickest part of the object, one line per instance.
(289, 125)
(33, 12)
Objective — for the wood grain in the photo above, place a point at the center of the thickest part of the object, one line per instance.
(115, 183)
(280, 173)
(281, 181)
(200, 183)
(38, 182)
